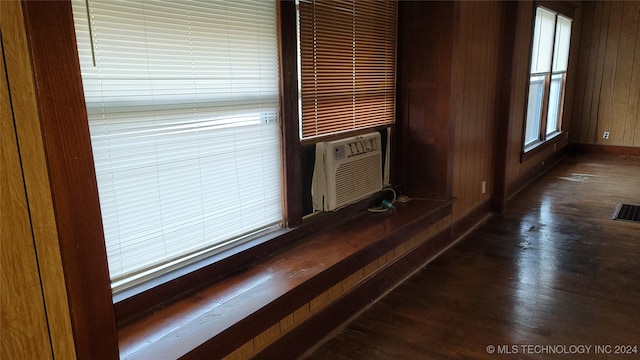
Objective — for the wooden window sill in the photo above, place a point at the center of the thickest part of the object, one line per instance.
(226, 315)
(533, 150)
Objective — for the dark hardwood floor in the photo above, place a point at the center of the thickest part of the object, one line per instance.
(553, 277)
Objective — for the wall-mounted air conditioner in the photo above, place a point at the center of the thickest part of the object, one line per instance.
(346, 171)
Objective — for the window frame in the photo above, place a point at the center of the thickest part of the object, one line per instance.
(66, 139)
(162, 103)
(545, 138)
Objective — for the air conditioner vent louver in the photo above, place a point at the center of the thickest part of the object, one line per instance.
(356, 179)
(346, 171)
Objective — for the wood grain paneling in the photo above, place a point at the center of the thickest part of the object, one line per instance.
(23, 322)
(503, 125)
(424, 104)
(449, 66)
(608, 89)
(519, 82)
(36, 181)
(477, 38)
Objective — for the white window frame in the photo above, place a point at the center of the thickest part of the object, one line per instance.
(548, 67)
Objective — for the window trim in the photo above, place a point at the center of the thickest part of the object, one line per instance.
(50, 37)
(545, 140)
(96, 316)
(67, 144)
(177, 102)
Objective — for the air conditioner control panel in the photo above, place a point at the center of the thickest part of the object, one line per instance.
(354, 148)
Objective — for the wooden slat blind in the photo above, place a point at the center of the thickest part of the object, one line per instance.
(348, 65)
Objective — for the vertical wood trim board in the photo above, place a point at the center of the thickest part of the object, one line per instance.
(519, 85)
(24, 322)
(35, 171)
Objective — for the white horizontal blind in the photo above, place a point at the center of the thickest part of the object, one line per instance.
(563, 39)
(560, 64)
(543, 36)
(555, 101)
(534, 109)
(182, 98)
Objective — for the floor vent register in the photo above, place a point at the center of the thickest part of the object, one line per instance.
(628, 212)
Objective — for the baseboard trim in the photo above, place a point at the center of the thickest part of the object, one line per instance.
(534, 173)
(593, 149)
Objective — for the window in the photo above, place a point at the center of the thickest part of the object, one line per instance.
(183, 106)
(347, 65)
(549, 61)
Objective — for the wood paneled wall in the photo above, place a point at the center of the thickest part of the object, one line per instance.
(608, 87)
(477, 98)
(448, 88)
(477, 38)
